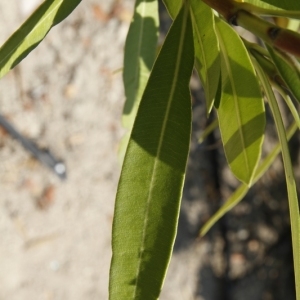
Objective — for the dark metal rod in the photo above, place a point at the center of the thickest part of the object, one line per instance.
(44, 156)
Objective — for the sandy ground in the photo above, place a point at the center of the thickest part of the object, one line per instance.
(55, 236)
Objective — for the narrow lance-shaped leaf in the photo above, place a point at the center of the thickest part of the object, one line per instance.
(276, 4)
(139, 57)
(289, 175)
(150, 187)
(173, 7)
(242, 190)
(33, 31)
(288, 69)
(241, 108)
(207, 52)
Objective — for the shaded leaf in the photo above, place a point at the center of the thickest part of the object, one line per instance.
(33, 31)
(289, 175)
(241, 108)
(288, 70)
(207, 52)
(242, 190)
(151, 182)
(139, 55)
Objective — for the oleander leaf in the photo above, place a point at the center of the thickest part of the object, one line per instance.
(207, 52)
(150, 187)
(241, 109)
(288, 69)
(289, 175)
(139, 55)
(276, 4)
(242, 190)
(173, 7)
(33, 31)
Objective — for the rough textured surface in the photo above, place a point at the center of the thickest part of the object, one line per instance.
(55, 236)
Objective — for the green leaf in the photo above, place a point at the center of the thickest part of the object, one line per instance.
(207, 52)
(288, 70)
(242, 190)
(276, 4)
(241, 109)
(150, 187)
(289, 175)
(33, 31)
(293, 25)
(173, 7)
(139, 56)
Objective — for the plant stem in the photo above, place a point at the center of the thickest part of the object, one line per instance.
(227, 8)
(239, 14)
(284, 39)
(269, 12)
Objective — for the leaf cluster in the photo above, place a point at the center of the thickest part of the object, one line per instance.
(238, 77)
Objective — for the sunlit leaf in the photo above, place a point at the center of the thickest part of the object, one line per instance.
(173, 7)
(33, 31)
(241, 108)
(151, 182)
(139, 57)
(293, 25)
(277, 4)
(242, 190)
(207, 52)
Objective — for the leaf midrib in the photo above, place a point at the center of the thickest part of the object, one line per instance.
(161, 138)
(33, 29)
(231, 79)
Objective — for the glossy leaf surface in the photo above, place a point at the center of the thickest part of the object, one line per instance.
(241, 108)
(207, 52)
(151, 182)
(33, 31)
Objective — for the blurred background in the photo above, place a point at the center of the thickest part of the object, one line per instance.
(67, 96)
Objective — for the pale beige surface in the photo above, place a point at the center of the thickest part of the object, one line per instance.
(65, 96)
